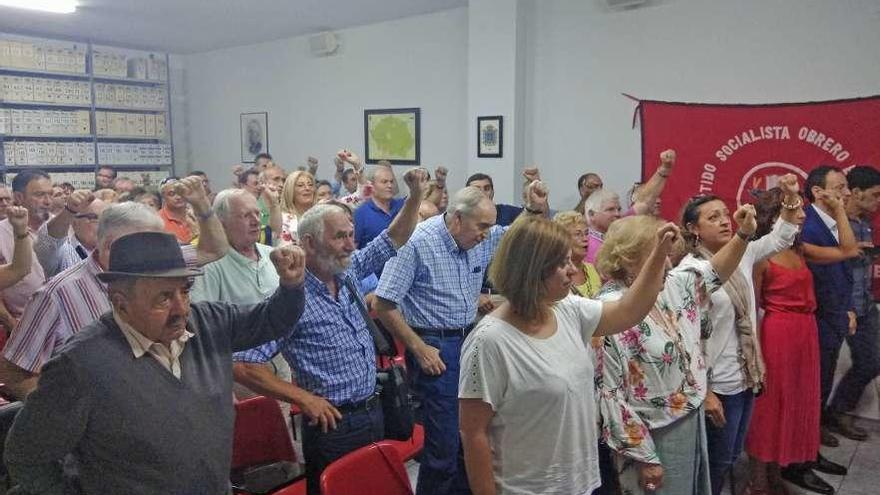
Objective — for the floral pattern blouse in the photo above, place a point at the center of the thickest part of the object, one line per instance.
(655, 373)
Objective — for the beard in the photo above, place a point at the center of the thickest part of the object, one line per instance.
(332, 264)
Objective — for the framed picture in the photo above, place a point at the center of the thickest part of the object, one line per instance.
(392, 134)
(254, 135)
(490, 136)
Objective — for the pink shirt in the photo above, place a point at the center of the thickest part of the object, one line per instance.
(16, 297)
(594, 242)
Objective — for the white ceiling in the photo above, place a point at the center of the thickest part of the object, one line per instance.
(189, 26)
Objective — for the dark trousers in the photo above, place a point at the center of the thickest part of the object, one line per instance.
(865, 363)
(831, 337)
(726, 443)
(441, 465)
(607, 471)
(352, 432)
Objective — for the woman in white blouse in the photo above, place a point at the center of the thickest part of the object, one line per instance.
(528, 413)
(297, 196)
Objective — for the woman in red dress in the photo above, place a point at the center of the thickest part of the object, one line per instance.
(785, 424)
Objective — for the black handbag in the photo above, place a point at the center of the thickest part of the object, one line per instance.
(392, 384)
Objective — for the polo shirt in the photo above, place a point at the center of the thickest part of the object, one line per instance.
(237, 278)
(180, 229)
(370, 220)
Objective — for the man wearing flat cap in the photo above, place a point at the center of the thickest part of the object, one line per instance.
(142, 397)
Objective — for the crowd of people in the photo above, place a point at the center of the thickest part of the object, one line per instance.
(600, 349)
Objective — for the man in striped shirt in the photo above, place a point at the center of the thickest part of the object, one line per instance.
(75, 297)
(56, 247)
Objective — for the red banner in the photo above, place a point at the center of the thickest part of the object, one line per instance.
(729, 150)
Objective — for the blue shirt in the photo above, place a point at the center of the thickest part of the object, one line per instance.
(434, 283)
(370, 220)
(330, 349)
(861, 268)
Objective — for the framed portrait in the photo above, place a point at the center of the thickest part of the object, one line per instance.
(490, 136)
(254, 135)
(392, 134)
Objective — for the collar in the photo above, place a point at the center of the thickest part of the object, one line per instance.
(445, 236)
(829, 222)
(168, 215)
(596, 234)
(244, 260)
(140, 344)
(94, 268)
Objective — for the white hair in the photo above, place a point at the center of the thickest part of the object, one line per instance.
(224, 198)
(466, 200)
(597, 199)
(127, 218)
(312, 221)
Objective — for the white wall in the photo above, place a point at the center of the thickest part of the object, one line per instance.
(316, 105)
(744, 51)
(577, 56)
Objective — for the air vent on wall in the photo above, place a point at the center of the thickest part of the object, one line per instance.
(625, 4)
(324, 44)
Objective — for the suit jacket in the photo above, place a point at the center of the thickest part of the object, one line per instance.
(832, 282)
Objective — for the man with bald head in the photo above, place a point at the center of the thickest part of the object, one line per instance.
(56, 247)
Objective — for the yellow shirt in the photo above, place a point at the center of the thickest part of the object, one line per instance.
(592, 281)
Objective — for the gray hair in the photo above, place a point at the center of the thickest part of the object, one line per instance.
(127, 218)
(371, 173)
(312, 221)
(597, 199)
(466, 200)
(224, 198)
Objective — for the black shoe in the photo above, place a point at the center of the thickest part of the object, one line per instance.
(827, 439)
(823, 465)
(807, 479)
(844, 425)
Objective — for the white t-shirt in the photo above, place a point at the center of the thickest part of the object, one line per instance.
(543, 435)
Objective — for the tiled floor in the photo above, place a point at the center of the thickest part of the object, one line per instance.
(862, 459)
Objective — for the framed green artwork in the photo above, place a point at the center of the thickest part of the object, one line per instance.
(392, 134)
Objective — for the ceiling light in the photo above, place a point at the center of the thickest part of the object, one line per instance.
(54, 6)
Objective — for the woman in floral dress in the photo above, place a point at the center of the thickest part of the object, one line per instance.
(654, 374)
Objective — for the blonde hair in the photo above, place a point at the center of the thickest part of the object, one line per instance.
(528, 253)
(569, 218)
(288, 193)
(626, 243)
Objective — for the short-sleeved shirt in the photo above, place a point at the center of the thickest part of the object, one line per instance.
(434, 282)
(544, 432)
(61, 308)
(594, 243)
(237, 278)
(17, 296)
(370, 220)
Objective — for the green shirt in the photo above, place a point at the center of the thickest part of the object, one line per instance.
(237, 279)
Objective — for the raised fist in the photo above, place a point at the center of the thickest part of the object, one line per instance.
(745, 219)
(416, 180)
(789, 185)
(290, 263)
(18, 218)
(667, 159)
(79, 200)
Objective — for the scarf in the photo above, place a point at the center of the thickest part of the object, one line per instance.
(750, 358)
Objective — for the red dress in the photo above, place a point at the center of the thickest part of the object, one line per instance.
(785, 423)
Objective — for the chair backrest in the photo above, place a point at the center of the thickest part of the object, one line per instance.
(375, 469)
(260, 434)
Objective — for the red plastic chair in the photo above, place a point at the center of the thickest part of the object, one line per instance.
(375, 469)
(261, 437)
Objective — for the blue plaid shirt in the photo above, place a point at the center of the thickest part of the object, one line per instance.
(331, 350)
(434, 283)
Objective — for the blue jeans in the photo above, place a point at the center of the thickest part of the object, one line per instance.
(726, 443)
(441, 468)
(865, 363)
(352, 432)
